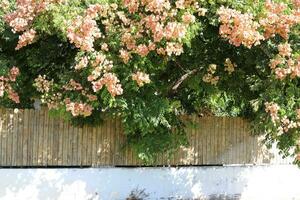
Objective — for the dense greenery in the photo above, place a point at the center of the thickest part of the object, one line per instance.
(150, 87)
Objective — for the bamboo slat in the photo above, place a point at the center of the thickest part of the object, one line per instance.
(32, 138)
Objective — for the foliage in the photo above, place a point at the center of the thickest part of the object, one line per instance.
(149, 62)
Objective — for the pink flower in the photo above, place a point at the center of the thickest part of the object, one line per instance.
(175, 30)
(26, 38)
(26, 10)
(141, 78)
(174, 48)
(295, 70)
(272, 108)
(12, 95)
(276, 61)
(132, 5)
(128, 40)
(277, 21)
(82, 63)
(104, 47)
(188, 18)
(285, 49)
(281, 73)
(78, 108)
(111, 82)
(142, 50)
(73, 85)
(42, 84)
(83, 31)
(92, 97)
(238, 28)
(6, 87)
(125, 55)
(298, 157)
(296, 3)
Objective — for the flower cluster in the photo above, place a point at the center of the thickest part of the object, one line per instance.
(141, 27)
(78, 108)
(82, 63)
(243, 29)
(141, 78)
(100, 74)
(22, 18)
(111, 82)
(272, 108)
(5, 85)
(54, 101)
(239, 28)
(286, 124)
(26, 38)
(49, 96)
(277, 21)
(284, 63)
(56, 97)
(229, 66)
(84, 30)
(209, 77)
(160, 21)
(42, 84)
(73, 86)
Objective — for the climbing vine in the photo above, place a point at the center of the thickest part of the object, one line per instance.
(149, 62)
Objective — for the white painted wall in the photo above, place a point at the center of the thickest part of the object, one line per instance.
(252, 183)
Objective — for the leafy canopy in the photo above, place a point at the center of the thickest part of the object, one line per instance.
(149, 62)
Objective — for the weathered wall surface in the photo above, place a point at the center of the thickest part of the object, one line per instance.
(279, 182)
(32, 138)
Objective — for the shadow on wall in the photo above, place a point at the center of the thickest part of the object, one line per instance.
(246, 183)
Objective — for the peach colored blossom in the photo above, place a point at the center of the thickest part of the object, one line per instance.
(174, 48)
(188, 18)
(83, 31)
(276, 61)
(73, 85)
(142, 50)
(272, 108)
(26, 38)
(277, 21)
(285, 49)
(79, 108)
(125, 55)
(82, 63)
(281, 73)
(141, 78)
(111, 82)
(238, 28)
